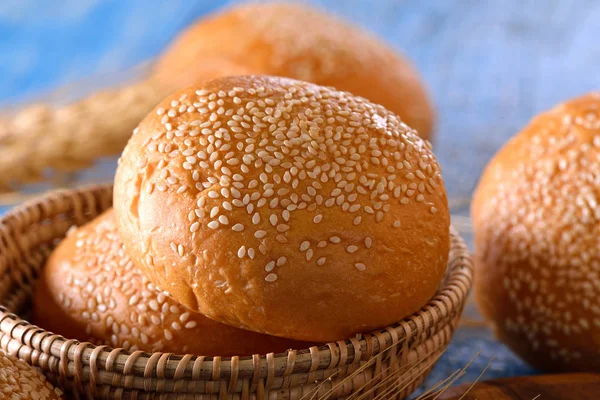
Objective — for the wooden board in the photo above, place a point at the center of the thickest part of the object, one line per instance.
(542, 387)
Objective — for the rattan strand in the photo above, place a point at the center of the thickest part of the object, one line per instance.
(403, 353)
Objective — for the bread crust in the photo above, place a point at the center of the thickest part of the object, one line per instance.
(535, 214)
(90, 290)
(284, 207)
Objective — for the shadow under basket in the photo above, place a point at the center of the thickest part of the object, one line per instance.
(387, 363)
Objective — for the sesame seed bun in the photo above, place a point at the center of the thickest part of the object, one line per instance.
(91, 291)
(20, 381)
(536, 219)
(284, 207)
(295, 41)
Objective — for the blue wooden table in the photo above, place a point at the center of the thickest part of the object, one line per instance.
(490, 66)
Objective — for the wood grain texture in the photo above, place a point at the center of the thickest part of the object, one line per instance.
(490, 65)
(542, 387)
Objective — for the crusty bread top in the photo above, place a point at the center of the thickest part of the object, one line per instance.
(284, 207)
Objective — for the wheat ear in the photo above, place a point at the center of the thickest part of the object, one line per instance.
(71, 137)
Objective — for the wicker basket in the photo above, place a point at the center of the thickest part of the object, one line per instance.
(389, 363)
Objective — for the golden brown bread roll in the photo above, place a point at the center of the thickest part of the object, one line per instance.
(295, 41)
(536, 217)
(284, 207)
(91, 291)
(20, 381)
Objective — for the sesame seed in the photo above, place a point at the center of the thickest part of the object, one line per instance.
(213, 224)
(237, 227)
(273, 219)
(271, 277)
(260, 234)
(304, 245)
(153, 304)
(161, 186)
(309, 254)
(351, 249)
(360, 266)
(281, 239)
(282, 228)
(270, 266)
(191, 325)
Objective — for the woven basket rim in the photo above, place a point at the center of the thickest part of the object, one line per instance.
(448, 301)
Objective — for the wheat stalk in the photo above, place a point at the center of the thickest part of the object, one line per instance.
(452, 378)
(400, 384)
(384, 382)
(477, 379)
(442, 382)
(71, 137)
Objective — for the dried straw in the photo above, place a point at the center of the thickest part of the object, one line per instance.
(69, 138)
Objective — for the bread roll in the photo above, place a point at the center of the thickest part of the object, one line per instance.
(20, 381)
(298, 42)
(91, 291)
(536, 216)
(284, 207)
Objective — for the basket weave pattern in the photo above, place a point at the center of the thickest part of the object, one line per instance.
(389, 363)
